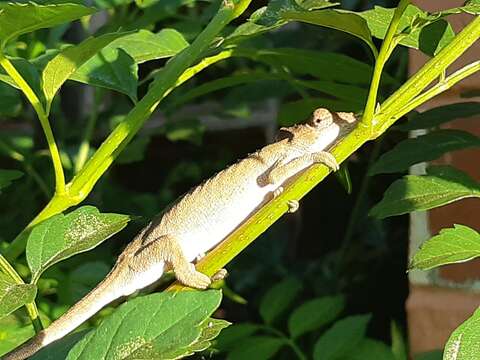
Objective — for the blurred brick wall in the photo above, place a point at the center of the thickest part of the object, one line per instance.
(441, 300)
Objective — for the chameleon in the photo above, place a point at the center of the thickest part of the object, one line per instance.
(202, 218)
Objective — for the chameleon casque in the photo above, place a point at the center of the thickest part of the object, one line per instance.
(202, 218)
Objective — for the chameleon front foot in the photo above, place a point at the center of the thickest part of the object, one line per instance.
(324, 157)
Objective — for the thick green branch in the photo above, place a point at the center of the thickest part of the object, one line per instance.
(272, 211)
(390, 110)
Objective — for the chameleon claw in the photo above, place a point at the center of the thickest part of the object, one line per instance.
(277, 191)
(293, 205)
(220, 275)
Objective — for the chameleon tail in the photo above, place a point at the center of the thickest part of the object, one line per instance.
(104, 293)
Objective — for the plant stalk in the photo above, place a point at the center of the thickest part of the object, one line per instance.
(32, 310)
(42, 116)
(385, 51)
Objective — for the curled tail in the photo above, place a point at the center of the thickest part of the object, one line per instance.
(109, 289)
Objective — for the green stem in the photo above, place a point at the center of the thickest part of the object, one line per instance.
(296, 349)
(42, 116)
(286, 339)
(443, 85)
(32, 310)
(272, 211)
(387, 47)
(390, 109)
(84, 147)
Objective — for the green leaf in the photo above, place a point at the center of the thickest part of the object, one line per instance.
(222, 83)
(10, 101)
(7, 176)
(231, 336)
(17, 19)
(256, 347)
(352, 94)
(29, 73)
(399, 347)
(314, 314)
(65, 63)
(346, 21)
(440, 115)
(342, 69)
(156, 326)
(251, 28)
(63, 236)
(13, 332)
(423, 148)
(370, 349)
(60, 348)
(107, 4)
(427, 32)
(450, 246)
(279, 298)
(344, 336)
(14, 296)
(440, 186)
(115, 70)
(343, 176)
(464, 342)
(116, 66)
(276, 8)
(210, 330)
(145, 46)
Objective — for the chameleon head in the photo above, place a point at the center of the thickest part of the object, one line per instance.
(327, 126)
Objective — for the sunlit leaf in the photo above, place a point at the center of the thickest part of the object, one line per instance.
(454, 245)
(64, 64)
(158, 326)
(63, 236)
(423, 148)
(342, 20)
(13, 295)
(17, 19)
(464, 342)
(440, 186)
(440, 115)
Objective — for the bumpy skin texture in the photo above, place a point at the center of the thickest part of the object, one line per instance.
(202, 218)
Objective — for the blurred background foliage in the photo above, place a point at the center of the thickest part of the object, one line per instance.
(328, 250)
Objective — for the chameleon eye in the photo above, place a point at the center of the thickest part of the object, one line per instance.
(321, 117)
